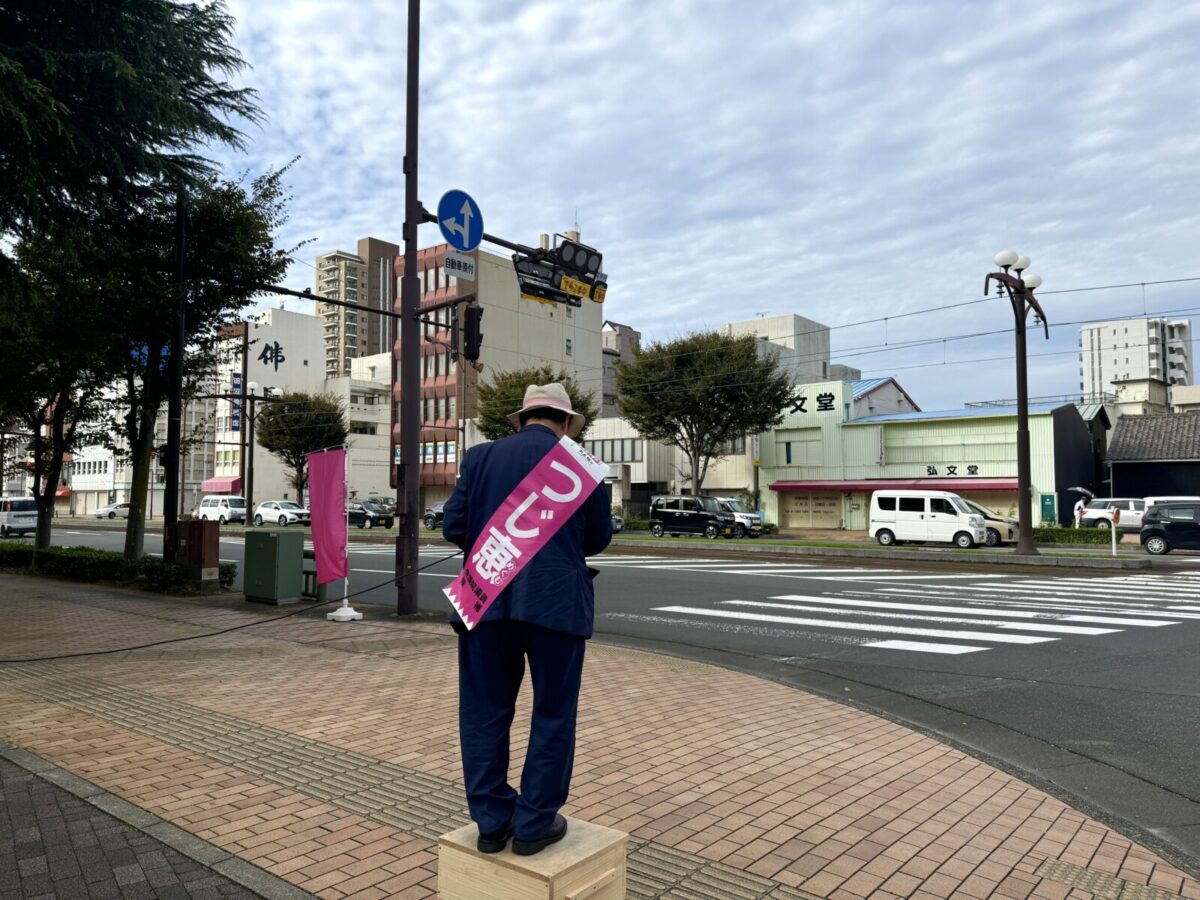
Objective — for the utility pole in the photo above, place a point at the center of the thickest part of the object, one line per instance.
(1020, 293)
(175, 377)
(408, 469)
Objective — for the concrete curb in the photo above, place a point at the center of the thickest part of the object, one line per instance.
(956, 557)
(209, 855)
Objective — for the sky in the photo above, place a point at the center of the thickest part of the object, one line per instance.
(848, 162)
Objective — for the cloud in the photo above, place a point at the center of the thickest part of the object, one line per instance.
(840, 161)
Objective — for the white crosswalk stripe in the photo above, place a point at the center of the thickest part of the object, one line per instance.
(959, 615)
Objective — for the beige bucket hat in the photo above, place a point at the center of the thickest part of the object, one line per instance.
(550, 396)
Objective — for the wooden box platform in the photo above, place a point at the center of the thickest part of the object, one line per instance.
(587, 864)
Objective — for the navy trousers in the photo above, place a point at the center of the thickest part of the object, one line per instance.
(491, 666)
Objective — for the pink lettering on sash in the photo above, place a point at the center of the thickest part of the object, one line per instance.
(541, 504)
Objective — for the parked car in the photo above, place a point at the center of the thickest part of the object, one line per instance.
(746, 522)
(18, 515)
(618, 524)
(113, 511)
(1099, 513)
(434, 516)
(1172, 525)
(368, 515)
(1000, 529)
(676, 515)
(898, 516)
(281, 512)
(222, 508)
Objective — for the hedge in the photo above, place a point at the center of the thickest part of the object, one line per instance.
(1072, 536)
(87, 564)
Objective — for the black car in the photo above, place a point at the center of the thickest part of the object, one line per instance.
(434, 516)
(676, 515)
(1171, 526)
(368, 515)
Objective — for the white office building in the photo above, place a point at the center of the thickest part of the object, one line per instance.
(1134, 350)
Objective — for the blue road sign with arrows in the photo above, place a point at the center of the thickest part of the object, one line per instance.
(460, 220)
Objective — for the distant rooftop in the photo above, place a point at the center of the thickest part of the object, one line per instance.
(1035, 409)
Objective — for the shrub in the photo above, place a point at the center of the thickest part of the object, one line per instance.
(14, 555)
(770, 528)
(227, 573)
(633, 523)
(165, 578)
(84, 564)
(1056, 535)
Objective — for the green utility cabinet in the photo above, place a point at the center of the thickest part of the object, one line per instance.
(274, 567)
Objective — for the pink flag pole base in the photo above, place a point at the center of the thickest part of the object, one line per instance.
(344, 613)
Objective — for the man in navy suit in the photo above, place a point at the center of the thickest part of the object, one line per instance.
(545, 615)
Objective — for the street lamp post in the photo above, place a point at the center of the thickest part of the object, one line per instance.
(1019, 289)
(251, 400)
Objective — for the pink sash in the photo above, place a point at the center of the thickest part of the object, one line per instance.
(541, 504)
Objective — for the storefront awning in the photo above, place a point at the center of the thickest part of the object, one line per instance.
(902, 484)
(222, 484)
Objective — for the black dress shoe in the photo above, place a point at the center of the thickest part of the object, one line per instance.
(552, 835)
(494, 841)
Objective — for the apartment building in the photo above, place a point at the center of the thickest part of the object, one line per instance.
(519, 332)
(361, 277)
(1134, 350)
(619, 343)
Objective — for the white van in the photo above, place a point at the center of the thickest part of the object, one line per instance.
(222, 508)
(934, 516)
(18, 515)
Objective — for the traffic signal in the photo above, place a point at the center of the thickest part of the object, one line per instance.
(577, 257)
(472, 335)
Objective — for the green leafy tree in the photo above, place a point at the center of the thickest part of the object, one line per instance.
(98, 96)
(299, 424)
(506, 394)
(701, 392)
(231, 247)
(53, 377)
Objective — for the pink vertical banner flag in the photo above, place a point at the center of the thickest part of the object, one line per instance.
(327, 506)
(541, 504)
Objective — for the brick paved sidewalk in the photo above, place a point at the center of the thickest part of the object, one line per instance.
(326, 754)
(52, 844)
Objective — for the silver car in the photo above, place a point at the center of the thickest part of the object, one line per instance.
(113, 511)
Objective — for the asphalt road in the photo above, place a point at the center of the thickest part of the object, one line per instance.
(1085, 684)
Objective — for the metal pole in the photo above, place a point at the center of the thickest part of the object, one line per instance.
(1025, 544)
(250, 458)
(175, 377)
(409, 471)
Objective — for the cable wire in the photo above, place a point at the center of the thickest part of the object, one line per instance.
(196, 637)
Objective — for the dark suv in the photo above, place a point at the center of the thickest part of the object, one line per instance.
(1171, 526)
(676, 515)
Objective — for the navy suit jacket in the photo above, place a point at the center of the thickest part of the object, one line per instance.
(554, 590)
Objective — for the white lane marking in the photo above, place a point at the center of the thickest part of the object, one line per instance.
(1038, 601)
(1073, 595)
(1185, 608)
(921, 647)
(223, 560)
(377, 571)
(1106, 586)
(971, 611)
(911, 617)
(907, 577)
(793, 573)
(856, 626)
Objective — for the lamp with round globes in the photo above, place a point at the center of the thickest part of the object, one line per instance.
(1019, 291)
(252, 386)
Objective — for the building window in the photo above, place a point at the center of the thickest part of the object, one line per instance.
(568, 346)
(787, 452)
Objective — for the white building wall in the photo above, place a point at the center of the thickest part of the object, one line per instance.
(520, 333)
(801, 345)
(1134, 350)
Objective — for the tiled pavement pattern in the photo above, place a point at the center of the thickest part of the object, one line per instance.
(53, 844)
(327, 755)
